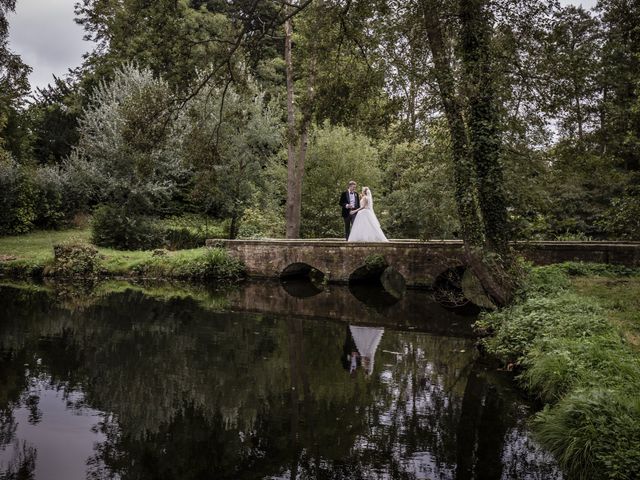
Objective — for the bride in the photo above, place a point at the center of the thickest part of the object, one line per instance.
(366, 227)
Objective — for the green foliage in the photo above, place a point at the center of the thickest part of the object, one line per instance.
(18, 195)
(594, 433)
(207, 263)
(75, 260)
(336, 155)
(53, 120)
(573, 358)
(190, 231)
(622, 219)
(14, 87)
(230, 134)
(114, 226)
(173, 39)
(262, 223)
(127, 143)
(418, 198)
(375, 262)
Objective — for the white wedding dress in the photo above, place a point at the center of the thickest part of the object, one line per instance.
(366, 227)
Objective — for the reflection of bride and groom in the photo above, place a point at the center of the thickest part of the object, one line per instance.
(360, 222)
(360, 348)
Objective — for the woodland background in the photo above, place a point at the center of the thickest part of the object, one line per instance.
(182, 124)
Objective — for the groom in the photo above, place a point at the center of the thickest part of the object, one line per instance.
(349, 200)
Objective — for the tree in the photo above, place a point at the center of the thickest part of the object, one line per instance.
(336, 155)
(620, 118)
(476, 144)
(229, 137)
(129, 154)
(14, 86)
(53, 120)
(573, 63)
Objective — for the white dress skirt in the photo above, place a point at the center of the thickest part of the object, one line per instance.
(366, 227)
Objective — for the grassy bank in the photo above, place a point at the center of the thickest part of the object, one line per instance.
(573, 339)
(32, 255)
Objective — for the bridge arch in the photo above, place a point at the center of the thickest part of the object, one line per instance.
(380, 275)
(301, 270)
(459, 287)
(302, 280)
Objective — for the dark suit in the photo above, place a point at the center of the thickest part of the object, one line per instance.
(346, 212)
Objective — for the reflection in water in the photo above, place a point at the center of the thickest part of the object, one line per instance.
(366, 341)
(373, 296)
(167, 386)
(300, 287)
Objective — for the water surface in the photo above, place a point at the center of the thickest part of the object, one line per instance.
(260, 381)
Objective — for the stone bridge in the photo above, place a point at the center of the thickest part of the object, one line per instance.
(419, 263)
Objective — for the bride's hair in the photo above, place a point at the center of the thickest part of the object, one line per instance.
(365, 190)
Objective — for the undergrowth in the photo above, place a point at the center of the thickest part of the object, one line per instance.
(569, 355)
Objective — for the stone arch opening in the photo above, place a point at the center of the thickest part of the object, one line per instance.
(301, 280)
(458, 288)
(377, 284)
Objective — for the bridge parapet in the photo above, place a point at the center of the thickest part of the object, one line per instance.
(419, 263)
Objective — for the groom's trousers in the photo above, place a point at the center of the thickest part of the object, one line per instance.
(348, 221)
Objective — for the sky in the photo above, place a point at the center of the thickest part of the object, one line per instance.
(44, 34)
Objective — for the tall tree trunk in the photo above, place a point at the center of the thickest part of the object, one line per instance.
(464, 174)
(484, 122)
(473, 187)
(294, 182)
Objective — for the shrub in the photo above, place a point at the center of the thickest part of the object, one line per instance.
(51, 202)
(190, 231)
(516, 328)
(17, 198)
(209, 263)
(113, 226)
(75, 260)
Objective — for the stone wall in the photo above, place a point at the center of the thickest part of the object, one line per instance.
(418, 262)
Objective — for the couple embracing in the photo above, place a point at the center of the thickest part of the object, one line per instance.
(360, 223)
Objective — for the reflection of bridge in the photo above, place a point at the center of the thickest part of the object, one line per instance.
(418, 262)
(417, 310)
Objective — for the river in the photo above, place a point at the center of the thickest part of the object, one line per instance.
(260, 381)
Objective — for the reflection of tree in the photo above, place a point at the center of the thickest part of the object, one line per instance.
(192, 393)
(22, 465)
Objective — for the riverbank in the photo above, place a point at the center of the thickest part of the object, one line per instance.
(574, 340)
(33, 256)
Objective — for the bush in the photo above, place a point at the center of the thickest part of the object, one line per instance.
(51, 204)
(17, 198)
(113, 226)
(190, 231)
(209, 263)
(75, 260)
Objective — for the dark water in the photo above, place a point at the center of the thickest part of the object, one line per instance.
(257, 382)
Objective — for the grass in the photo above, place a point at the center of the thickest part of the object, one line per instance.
(572, 337)
(621, 299)
(32, 255)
